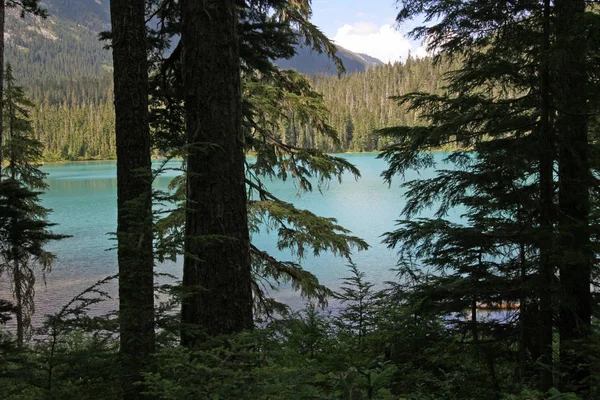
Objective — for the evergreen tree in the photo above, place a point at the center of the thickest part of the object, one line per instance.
(134, 190)
(358, 300)
(26, 6)
(575, 260)
(501, 103)
(266, 33)
(23, 225)
(216, 270)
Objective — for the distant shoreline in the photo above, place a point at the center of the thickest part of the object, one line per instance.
(251, 154)
(154, 158)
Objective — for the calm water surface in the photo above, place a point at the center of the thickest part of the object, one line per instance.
(83, 198)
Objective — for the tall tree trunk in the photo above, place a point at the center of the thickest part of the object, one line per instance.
(2, 22)
(546, 268)
(524, 333)
(134, 187)
(217, 271)
(574, 202)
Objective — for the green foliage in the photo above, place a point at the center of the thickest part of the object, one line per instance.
(406, 354)
(66, 72)
(502, 103)
(24, 229)
(359, 299)
(73, 355)
(268, 30)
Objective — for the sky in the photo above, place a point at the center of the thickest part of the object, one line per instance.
(366, 26)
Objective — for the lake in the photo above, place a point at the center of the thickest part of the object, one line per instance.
(82, 196)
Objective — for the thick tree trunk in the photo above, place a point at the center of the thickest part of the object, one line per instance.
(574, 203)
(216, 273)
(546, 266)
(134, 186)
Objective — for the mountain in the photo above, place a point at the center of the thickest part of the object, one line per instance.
(65, 46)
(310, 62)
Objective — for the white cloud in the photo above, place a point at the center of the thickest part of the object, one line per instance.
(421, 52)
(384, 42)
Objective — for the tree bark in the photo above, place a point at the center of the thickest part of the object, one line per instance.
(574, 202)
(217, 270)
(2, 23)
(546, 266)
(134, 188)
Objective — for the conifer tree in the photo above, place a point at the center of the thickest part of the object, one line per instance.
(26, 7)
(217, 250)
(134, 190)
(501, 103)
(266, 33)
(575, 260)
(358, 299)
(24, 229)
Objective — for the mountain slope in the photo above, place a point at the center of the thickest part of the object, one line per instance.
(310, 62)
(65, 46)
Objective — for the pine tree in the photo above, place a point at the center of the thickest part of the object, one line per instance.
(217, 265)
(359, 304)
(501, 103)
(26, 6)
(134, 190)
(269, 96)
(575, 261)
(24, 229)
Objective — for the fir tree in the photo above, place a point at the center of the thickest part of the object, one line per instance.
(134, 190)
(26, 6)
(217, 265)
(269, 95)
(24, 229)
(358, 300)
(575, 181)
(501, 104)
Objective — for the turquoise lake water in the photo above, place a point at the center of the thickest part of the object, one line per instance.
(83, 198)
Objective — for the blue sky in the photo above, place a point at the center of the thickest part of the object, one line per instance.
(366, 26)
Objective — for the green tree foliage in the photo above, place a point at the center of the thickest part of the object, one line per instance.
(359, 104)
(73, 117)
(24, 228)
(359, 299)
(501, 102)
(268, 96)
(24, 7)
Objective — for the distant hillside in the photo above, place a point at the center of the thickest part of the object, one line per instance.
(65, 46)
(310, 62)
(93, 14)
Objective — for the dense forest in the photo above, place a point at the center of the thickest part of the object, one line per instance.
(65, 70)
(360, 103)
(74, 119)
(498, 303)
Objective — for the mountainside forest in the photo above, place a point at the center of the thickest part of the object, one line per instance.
(66, 71)
(74, 119)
